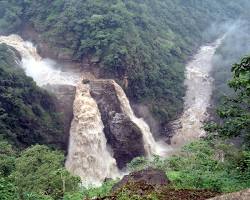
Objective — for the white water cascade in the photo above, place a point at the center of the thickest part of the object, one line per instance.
(151, 146)
(199, 85)
(43, 71)
(88, 152)
(88, 156)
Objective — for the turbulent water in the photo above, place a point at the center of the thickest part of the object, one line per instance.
(43, 71)
(88, 156)
(199, 85)
(151, 146)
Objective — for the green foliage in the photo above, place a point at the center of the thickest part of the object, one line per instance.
(235, 113)
(91, 192)
(226, 55)
(34, 196)
(208, 166)
(38, 173)
(7, 159)
(140, 163)
(204, 165)
(10, 16)
(147, 41)
(40, 170)
(125, 195)
(27, 113)
(7, 190)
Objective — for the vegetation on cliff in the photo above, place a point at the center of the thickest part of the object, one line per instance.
(27, 113)
(148, 41)
(138, 39)
(213, 164)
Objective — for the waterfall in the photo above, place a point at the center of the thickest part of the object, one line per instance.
(43, 71)
(88, 156)
(151, 146)
(88, 153)
(199, 85)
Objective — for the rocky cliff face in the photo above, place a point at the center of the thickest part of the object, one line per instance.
(122, 134)
(65, 95)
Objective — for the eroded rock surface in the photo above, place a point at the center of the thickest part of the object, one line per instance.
(65, 95)
(150, 176)
(123, 135)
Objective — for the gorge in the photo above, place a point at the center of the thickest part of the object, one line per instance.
(104, 126)
(100, 109)
(124, 99)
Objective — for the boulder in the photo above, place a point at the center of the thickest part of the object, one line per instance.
(123, 135)
(125, 138)
(150, 176)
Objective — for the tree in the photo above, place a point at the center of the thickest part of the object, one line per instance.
(40, 170)
(235, 113)
(7, 159)
(7, 190)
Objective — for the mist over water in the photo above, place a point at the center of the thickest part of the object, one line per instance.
(199, 85)
(88, 153)
(88, 156)
(43, 71)
(151, 146)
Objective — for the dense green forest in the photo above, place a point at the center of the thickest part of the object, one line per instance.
(27, 113)
(213, 163)
(37, 173)
(28, 117)
(148, 41)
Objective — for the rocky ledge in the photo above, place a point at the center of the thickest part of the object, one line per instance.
(65, 95)
(123, 135)
(150, 176)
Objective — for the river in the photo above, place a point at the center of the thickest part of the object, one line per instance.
(199, 84)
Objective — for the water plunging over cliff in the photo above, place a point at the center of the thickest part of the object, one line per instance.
(199, 85)
(150, 145)
(43, 71)
(88, 156)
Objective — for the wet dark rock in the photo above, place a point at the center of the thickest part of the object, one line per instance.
(150, 176)
(65, 95)
(125, 138)
(123, 135)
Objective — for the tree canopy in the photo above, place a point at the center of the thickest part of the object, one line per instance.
(27, 113)
(147, 41)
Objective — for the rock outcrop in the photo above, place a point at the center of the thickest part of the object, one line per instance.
(123, 135)
(65, 95)
(150, 176)
(242, 195)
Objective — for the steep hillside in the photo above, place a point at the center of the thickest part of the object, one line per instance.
(135, 41)
(229, 53)
(27, 113)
